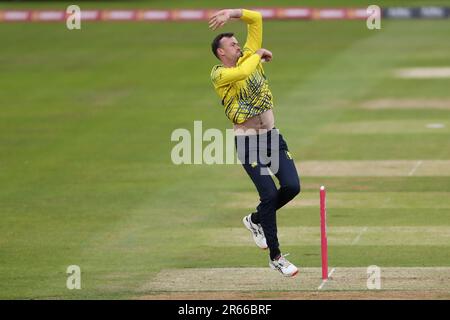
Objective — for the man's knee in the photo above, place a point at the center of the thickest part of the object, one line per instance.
(270, 196)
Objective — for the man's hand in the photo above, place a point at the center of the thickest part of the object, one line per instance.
(223, 16)
(265, 54)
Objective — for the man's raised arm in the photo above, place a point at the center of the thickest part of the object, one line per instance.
(254, 29)
(252, 18)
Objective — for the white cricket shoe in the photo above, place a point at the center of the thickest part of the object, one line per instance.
(286, 268)
(257, 232)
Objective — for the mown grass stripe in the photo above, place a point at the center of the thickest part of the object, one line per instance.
(364, 200)
(337, 236)
(373, 168)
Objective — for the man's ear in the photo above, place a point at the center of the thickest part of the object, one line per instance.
(220, 51)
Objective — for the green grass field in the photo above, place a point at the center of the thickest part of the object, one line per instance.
(86, 176)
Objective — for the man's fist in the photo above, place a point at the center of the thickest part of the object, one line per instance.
(265, 54)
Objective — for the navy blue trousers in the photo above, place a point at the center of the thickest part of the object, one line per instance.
(258, 154)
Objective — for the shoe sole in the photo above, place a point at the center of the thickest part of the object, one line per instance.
(248, 228)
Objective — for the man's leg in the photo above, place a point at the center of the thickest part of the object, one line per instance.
(268, 195)
(272, 199)
(248, 153)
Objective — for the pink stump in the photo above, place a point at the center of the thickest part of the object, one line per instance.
(323, 233)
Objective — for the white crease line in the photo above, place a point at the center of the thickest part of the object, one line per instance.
(415, 168)
(326, 280)
(355, 241)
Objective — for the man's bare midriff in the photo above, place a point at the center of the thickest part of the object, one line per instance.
(256, 125)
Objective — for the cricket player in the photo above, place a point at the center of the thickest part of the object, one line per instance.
(243, 89)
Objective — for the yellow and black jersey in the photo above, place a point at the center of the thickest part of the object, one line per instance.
(244, 89)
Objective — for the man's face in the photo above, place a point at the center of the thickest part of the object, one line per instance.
(229, 48)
